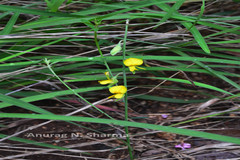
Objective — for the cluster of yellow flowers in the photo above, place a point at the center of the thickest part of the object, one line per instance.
(119, 91)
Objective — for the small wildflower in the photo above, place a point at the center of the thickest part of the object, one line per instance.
(183, 146)
(133, 63)
(164, 116)
(108, 80)
(118, 91)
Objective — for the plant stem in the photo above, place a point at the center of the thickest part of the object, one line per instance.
(130, 150)
(100, 52)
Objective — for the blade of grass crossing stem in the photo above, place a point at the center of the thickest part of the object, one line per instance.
(22, 104)
(9, 26)
(130, 150)
(221, 76)
(173, 9)
(27, 141)
(181, 131)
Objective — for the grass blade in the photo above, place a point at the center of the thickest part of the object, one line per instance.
(197, 35)
(9, 26)
(52, 95)
(34, 11)
(196, 83)
(186, 132)
(13, 101)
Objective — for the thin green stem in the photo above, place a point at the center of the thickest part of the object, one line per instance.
(130, 150)
(100, 52)
(50, 68)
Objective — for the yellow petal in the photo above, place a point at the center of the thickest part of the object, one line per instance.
(132, 68)
(112, 96)
(118, 96)
(103, 82)
(133, 62)
(118, 89)
(140, 68)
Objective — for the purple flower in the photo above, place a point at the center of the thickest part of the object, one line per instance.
(164, 116)
(183, 146)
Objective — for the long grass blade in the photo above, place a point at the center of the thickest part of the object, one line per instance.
(186, 132)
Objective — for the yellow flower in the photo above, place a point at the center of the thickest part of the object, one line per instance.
(108, 81)
(118, 91)
(133, 63)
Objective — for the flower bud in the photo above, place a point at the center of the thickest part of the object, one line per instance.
(116, 49)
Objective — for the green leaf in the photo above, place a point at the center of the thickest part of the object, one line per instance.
(197, 35)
